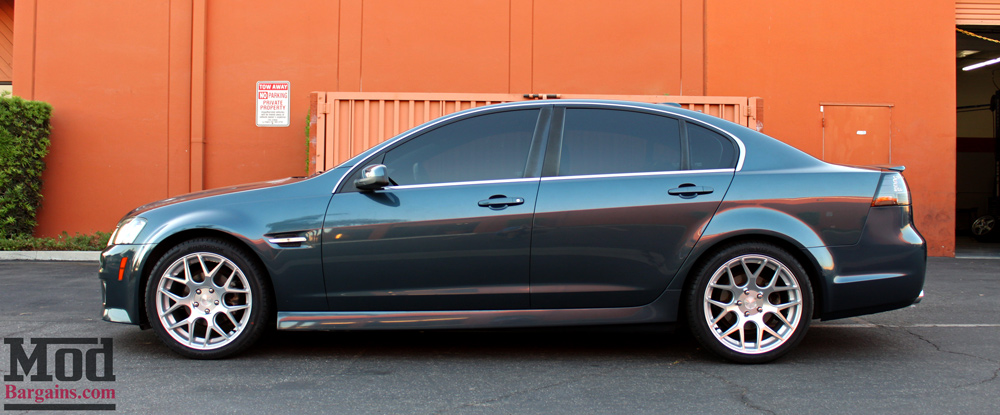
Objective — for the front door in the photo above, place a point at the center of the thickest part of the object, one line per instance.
(452, 232)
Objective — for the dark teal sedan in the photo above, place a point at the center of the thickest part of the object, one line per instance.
(529, 214)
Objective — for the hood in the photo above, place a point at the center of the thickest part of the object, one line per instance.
(214, 192)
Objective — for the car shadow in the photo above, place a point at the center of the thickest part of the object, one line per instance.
(635, 342)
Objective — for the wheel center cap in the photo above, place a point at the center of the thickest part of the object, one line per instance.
(208, 298)
(749, 302)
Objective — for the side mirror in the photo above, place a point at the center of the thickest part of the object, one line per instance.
(373, 177)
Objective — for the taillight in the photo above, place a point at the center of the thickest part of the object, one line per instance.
(892, 191)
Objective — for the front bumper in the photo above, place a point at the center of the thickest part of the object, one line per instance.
(120, 283)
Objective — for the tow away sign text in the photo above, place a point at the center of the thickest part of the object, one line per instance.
(273, 104)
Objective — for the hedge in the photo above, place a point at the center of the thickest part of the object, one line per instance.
(64, 242)
(24, 141)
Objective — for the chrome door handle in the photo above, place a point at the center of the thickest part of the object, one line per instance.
(690, 190)
(501, 202)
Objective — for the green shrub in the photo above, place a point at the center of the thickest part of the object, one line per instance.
(64, 242)
(24, 141)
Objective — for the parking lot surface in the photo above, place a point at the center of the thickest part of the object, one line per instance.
(941, 356)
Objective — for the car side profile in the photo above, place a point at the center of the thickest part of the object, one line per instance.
(529, 214)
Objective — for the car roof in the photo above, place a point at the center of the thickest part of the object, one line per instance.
(769, 151)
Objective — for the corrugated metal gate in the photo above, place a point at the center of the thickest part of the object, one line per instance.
(977, 12)
(344, 124)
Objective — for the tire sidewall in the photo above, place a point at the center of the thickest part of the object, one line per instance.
(703, 273)
(259, 309)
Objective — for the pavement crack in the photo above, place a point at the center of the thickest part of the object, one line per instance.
(352, 362)
(744, 395)
(511, 394)
(19, 333)
(996, 373)
(546, 386)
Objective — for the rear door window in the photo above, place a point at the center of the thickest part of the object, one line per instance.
(599, 141)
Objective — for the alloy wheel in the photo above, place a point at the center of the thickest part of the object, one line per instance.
(753, 304)
(203, 301)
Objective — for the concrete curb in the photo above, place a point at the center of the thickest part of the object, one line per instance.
(50, 256)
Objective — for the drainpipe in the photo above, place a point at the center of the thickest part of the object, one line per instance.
(198, 24)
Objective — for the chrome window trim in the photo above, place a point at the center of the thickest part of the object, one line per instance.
(432, 123)
(466, 183)
(429, 125)
(637, 174)
(739, 143)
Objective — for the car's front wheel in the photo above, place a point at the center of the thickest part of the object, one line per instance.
(206, 299)
(750, 302)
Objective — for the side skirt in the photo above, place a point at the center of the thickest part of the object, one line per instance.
(469, 319)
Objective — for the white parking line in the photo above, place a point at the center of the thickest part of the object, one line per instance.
(871, 326)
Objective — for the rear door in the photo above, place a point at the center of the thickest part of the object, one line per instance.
(624, 196)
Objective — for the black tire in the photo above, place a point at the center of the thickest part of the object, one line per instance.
(207, 318)
(984, 229)
(774, 309)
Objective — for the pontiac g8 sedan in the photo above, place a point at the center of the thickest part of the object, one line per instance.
(529, 214)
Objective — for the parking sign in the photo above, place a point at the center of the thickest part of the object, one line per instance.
(273, 103)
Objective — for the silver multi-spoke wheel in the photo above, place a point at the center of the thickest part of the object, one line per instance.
(753, 304)
(203, 301)
(749, 302)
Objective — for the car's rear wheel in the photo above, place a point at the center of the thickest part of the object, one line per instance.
(206, 299)
(750, 303)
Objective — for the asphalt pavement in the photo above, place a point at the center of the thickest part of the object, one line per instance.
(941, 356)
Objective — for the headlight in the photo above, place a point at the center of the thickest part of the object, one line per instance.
(127, 231)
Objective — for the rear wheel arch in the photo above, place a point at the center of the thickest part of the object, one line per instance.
(811, 266)
(775, 308)
(178, 238)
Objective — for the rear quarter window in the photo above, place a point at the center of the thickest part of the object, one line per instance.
(709, 150)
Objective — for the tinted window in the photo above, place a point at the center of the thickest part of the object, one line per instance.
(610, 141)
(487, 147)
(709, 150)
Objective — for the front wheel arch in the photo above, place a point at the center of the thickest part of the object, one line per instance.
(209, 297)
(178, 238)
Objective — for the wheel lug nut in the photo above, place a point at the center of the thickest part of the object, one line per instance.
(207, 311)
(216, 302)
(760, 295)
(211, 290)
(760, 309)
(746, 314)
(195, 304)
(739, 303)
(198, 291)
(747, 292)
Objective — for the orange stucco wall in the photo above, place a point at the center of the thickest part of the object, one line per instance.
(799, 54)
(155, 98)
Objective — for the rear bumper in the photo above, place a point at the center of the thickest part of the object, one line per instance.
(885, 270)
